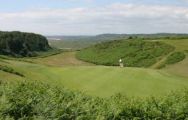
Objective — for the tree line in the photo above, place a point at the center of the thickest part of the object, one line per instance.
(20, 44)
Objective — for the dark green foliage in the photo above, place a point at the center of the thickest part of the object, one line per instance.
(22, 44)
(39, 101)
(10, 70)
(135, 53)
(175, 57)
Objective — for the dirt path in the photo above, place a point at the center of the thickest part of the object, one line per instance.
(180, 68)
(161, 61)
(63, 59)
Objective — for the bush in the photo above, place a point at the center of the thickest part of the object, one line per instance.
(175, 57)
(28, 100)
(135, 53)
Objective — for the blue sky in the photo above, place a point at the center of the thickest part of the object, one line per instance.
(88, 17)
(21, 5)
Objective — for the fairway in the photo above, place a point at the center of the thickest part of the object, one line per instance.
(64, 70)
(61, 60)
(104, 81)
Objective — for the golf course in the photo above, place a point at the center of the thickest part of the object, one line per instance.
(153, 68)
(64, 69)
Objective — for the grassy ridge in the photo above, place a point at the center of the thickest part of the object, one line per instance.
(28, 100)
(135, 53)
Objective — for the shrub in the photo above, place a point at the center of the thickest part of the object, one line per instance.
(175, 57)
(135, 53)
(28, 100)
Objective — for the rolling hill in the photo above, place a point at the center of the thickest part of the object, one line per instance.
(101, 80)
(80, 42)
(134, 53)
(60, 86)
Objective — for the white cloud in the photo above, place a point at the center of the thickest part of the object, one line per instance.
(115, 18)
(184, 0)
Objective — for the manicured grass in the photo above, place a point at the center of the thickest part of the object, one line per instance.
(62, 59)
(105, 81)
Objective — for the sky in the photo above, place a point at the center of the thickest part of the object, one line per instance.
(91, 17)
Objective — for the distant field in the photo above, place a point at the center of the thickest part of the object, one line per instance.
(79, 42)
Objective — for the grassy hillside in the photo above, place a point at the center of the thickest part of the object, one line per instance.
(179, 68)
(103, 81)
(134, 53)
(65, 70)
(49, 86)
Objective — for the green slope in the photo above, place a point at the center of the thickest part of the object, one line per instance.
(104, 81)
(134, 53)
(180, 46)
(180, 68)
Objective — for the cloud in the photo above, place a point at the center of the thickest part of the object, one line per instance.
(114, 18)
(184, 0)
